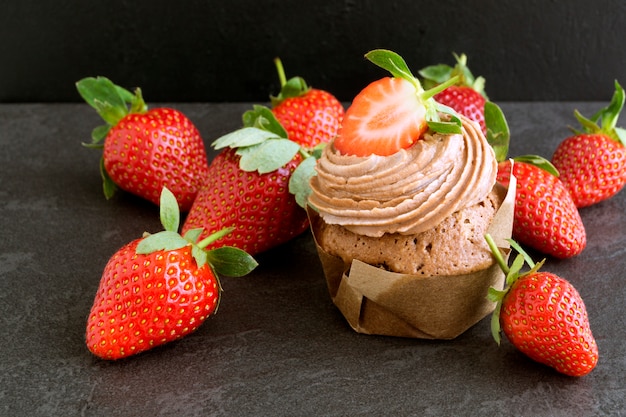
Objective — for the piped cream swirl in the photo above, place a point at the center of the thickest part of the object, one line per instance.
(408, 192)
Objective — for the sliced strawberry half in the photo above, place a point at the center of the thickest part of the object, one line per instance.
(392, 113)
(385, 118)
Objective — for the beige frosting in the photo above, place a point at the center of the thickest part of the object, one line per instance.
(408, 192)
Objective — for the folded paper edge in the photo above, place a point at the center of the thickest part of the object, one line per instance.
(353, 302)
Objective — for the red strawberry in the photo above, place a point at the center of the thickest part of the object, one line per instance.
(253, 185)
(260, 205)
(592, 162)
(144, 150)
(466, 101)
(467, 96)
(545, 216)
(391, 113)
(159, 288)
(543, 316)
(310, 116)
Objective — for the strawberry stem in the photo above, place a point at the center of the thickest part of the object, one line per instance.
(439, 88)
(304, 153)
(497, 254)
(289, 88)
(281, 71)
(215, 236)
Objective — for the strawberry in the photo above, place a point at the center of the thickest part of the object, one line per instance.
(310, 116)
(256, 184)
(159, 288)
(592, 162)
(466, 101)
(543, 316)
(392, 113)
(144, 150)
(545, 217)
(467, 96)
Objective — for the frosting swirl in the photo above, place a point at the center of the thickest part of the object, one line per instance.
(408, 192)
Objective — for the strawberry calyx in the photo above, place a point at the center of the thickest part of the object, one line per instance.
(512, 274)
(398, 68)
(263, 146)
(112, 103)
(262, 143)
(604, 121)
(224, 260)
(294, 87)
(437, 74)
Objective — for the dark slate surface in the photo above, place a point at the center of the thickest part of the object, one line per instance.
(277, 345)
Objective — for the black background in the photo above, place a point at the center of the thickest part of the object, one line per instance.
(222, 51)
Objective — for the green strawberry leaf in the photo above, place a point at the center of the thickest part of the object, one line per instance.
(262, 117)
(433, 108)
(169, 211)
(440, 73)
(130, 98)
(294, 87)
(435, 74)
(164, 240)
(495, 321)
(262, 143)
(109, 100)
(522, 252)
(200, 255)
(231, 261)
(136, 101)
(246, 136)
(267, 156)
(316, 152)
(514, 269)
(109, 188)
(605, 120)
(479, 85)
(192, 235)
(610, 114)
(621, 135)
(588, 125)
(536, 267)
(393, 63)
(99, 133)
(498, 133)
(495, 295)
(101, 94)
(466, 77)
(539, 162)
(446, 128)
(299, 181)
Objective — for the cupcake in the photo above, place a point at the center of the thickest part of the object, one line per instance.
(399, 208)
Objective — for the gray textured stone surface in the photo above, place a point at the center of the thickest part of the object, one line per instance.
(277, 345)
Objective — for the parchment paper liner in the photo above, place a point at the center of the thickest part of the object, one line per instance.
(375, 301)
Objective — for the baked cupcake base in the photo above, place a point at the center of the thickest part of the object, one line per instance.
(431, 304)
(455, 246)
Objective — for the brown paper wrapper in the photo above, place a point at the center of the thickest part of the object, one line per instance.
(376, 301)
